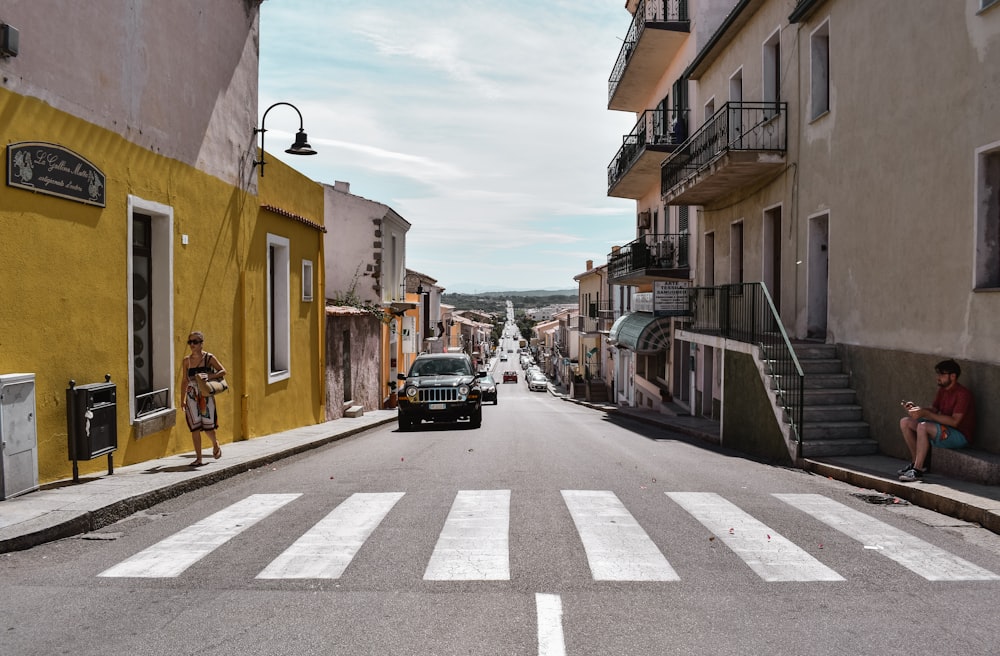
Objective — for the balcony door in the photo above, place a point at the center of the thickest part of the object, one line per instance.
(771, 274)
(819, 276)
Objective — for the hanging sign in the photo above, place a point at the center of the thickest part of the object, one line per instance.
(670, 298)
(46, 168)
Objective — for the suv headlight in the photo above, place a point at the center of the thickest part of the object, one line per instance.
(411, 392)
(463, 390)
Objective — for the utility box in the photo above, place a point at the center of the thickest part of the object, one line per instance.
(91, 420)
(18, 435)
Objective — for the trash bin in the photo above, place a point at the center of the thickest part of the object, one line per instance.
(92, 421)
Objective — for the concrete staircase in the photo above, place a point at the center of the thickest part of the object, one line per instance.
(832, 424)
(597, 391)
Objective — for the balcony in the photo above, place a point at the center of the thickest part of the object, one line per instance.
(658, 30)
(636, 166)
(742, 144)
(650, 258)
(596, 318)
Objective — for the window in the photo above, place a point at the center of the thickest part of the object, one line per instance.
(278, 311)
(307, 280)
(986, 4)
(736, 253)
(772, 71)
(709, 110)
(819, 68)
(710, 259)
(150, 308)
(987, 255)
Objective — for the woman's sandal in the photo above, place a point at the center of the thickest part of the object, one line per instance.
(196, 463)
(217, 452)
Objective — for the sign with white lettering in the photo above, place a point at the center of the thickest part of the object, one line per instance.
(670, 298)
(46, 168)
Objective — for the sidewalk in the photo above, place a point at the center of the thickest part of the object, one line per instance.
(970, 502)
(64, 508)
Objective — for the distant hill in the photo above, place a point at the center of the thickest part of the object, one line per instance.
(497, 301)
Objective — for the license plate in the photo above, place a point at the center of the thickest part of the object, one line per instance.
(437, 406)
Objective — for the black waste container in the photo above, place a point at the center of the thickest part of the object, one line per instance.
(91, 420)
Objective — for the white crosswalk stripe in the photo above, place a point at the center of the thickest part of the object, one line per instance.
(617, 547)
(325, 550)
(770, 555)
(911, 552)
(474, 544)
(170, 557)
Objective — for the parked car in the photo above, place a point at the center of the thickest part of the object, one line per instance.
(503, 357)
(489, 388)
(510, 376)
(537, 382)
(440, 387)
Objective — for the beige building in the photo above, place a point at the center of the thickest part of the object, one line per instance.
(594, 319)
(647, 79)
(847, 179)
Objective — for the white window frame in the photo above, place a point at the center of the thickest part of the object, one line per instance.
(307, 281)
(987, 197)
(279, 317)
(819, 71)
(161, 290)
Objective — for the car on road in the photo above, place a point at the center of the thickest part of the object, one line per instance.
(537, 382)
(440, 387)
(503, 357)
(510, 376)
(489, 389)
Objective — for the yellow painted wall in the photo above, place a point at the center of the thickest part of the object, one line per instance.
(63, 287)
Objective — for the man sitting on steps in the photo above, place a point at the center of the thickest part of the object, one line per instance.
(949, 423)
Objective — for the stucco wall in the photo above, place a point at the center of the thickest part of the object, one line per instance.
(365, 365)
(883, 378)
(748, 422)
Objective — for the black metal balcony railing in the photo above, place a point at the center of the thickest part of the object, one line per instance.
(648, 11)
(655, 127)
(745, 312)
(650, 251)
(739, 126)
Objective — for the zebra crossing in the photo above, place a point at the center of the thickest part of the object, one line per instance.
(474, 542)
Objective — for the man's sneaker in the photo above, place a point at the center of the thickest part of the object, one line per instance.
(910, 475)
(906, 468)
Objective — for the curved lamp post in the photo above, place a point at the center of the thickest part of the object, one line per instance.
(300, 147)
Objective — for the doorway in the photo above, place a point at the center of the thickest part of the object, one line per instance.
(819, 276)
(771, 274)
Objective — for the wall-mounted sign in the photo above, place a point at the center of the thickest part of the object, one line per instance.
(46, 168)
(670, 298)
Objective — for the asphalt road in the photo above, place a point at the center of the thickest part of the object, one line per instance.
(552, 530)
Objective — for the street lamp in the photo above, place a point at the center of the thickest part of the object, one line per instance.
(300, 147)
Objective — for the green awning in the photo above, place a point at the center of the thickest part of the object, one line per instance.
(641, 332)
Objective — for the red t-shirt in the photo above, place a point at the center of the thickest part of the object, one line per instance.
(957, 400)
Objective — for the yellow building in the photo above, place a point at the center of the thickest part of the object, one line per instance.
(133, 213)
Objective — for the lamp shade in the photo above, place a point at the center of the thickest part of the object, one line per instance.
(301, 145)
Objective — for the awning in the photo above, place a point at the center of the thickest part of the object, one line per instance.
(641, 332)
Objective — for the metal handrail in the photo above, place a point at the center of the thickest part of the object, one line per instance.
(745, 312)
(655, 127)
(737, 126)
(650, 251)
(647, 11)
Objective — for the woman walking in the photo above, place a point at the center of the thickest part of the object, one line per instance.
(199, 409)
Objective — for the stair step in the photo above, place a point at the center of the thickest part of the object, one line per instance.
(815, 381)
(825, 448)
(354, 411)
(819, 396)
(831, 413)
(835, 430)
(810, 351)
(821, 366)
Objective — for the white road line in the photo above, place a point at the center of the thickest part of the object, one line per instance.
(325, 550)
(550, 630)
(617, 547)
(771, 556)
(920, 557)
(473, 545)
(171, 556)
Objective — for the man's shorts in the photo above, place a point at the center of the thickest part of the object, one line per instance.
(946, 437)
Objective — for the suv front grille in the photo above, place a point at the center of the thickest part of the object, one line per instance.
(438, 395)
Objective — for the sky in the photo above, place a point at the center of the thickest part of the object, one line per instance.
(484, 124)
